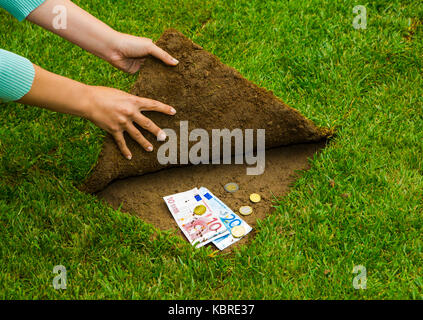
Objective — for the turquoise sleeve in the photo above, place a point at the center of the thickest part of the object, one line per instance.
(22, 8)
(16, 76)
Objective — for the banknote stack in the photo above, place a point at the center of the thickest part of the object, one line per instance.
(203, 218)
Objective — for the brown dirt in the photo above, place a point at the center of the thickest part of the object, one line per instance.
(143, 195)
(210, 95)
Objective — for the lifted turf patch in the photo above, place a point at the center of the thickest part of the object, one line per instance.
(209, 95)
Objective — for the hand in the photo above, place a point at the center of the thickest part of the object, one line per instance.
(121, 50)
(128, 51)
(116, 111)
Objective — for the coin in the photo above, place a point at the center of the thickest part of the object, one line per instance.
(245, 210)
(231, 187)
(255, 197)
(199, 210)
(238, 231)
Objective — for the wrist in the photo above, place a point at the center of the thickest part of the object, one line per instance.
(86, 101)
(113, 46)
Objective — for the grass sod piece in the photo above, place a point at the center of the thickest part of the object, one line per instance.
(209, 95)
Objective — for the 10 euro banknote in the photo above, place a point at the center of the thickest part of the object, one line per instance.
(199, 223)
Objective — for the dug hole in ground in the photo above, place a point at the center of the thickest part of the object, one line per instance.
(210, 95)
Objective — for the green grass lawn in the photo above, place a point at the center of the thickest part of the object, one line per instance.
(360, 204)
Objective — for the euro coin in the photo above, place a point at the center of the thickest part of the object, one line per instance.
(255, 197)
(199, 210)
(245, 210)
(231, 187)
(238, 231)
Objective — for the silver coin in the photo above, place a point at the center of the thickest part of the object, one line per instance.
(231, 187)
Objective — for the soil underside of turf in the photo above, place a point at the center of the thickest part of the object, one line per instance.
(209, 95)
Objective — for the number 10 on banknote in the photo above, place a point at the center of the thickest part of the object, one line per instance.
(199, 224)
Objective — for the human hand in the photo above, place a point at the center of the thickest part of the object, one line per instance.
(128, 51)
(116, 111)
(121, 50)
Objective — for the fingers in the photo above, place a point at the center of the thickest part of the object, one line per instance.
(131, 114)
(153, 105)
(159, 53)
(138, 137)
(149, 125)
(120, 141)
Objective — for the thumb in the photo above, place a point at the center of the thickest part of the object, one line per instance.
(159, 53)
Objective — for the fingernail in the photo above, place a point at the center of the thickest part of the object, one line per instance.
(150, 148)
(161, 136)
(172, 111)
(175, 61)
(129, 157)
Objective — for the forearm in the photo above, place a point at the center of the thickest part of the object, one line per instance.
(57, 93)
(81, 28)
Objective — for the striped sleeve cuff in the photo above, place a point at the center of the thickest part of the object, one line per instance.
(16, 76)
(20, 9)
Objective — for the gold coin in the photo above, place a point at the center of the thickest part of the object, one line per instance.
(238, 231)
(199, 210)
(255, 197)
(231, 187)
(245, 210)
